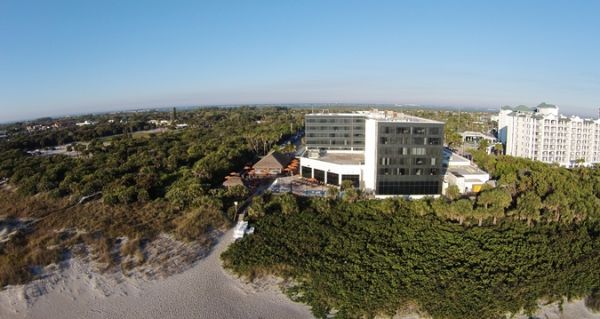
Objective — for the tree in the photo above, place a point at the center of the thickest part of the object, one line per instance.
(346, 184)
(528, 207)
(556, 203)
(494, 201)
(480, 213)
(486, 198)
(185, 192)
(389, 206)
(332, 192)
(452, 138)
(463, 208)
(499, 148)
(420, 207)
(351, 195)
(483, 145)
(452, 192)
(257, 208)
(288, 204)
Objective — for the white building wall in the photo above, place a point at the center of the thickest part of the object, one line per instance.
(345, 169)
(370, 154)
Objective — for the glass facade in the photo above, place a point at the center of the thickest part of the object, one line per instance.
(319, 175)
(306, 172)
(333, 178)
(409, 158)
(335, 132)
(355, 179)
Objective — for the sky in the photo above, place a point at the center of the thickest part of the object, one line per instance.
(62, 57)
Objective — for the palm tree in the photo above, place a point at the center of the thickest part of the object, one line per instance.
(463, 208)
(389, 206)
(528, 207)
(452, 192)
(480, 213)
(554, 204)
(486, 198)
(332, 192)
(496, 212)
(502, 200)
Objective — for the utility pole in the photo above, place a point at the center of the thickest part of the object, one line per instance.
(173, 116)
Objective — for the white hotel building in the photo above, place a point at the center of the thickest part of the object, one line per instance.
(542, 134)
(384, 153)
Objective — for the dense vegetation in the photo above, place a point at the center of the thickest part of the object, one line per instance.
(166, 182)
(66, 131)
(534, 237)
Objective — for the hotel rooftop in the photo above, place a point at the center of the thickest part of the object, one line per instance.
(382, 116)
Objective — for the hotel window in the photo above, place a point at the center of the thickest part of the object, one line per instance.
(384, 171)
(418, 140)
(419, 130)
(403, 151)
(418, 151)
(398, 161)
(434, 130)
(420, 161)
(434, 141)
(402, 130)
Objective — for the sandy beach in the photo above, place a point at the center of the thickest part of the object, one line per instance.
(203, 291)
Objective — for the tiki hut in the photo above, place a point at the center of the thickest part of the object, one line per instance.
(272, 164)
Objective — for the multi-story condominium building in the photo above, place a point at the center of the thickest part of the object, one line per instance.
(384, 153)
(542, 134)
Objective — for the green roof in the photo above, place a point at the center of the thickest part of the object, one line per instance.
(523, 108)
(546, 106)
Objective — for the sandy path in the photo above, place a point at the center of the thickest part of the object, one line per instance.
(204, 291)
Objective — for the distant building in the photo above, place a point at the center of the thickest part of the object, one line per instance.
(386, 153)
(3, 134)
(85, 123)
(160, 122)
(463, 173)
(474, 138)
(273, 163)
(542, 134)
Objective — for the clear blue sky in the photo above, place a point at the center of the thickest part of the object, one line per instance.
(60, 57)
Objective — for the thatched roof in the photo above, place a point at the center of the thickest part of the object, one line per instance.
(233, 181)
(273, 160)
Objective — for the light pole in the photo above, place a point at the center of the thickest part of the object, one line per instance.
(235, 203)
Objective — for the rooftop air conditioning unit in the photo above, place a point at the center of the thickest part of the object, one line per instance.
(314, 154)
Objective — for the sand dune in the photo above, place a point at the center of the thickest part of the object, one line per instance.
(203, 291)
